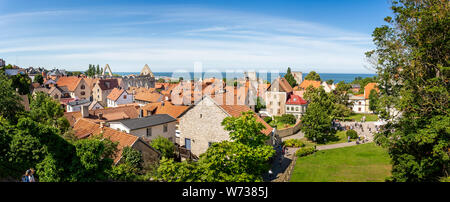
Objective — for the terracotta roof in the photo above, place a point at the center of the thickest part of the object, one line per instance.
(108, 114)
(306, 83)
(148, 96)
(236, 111)
(71, 82)
(283, 85)
(295, 100)
(168, 108)
(115, 94)
(84, 129)
(369, 88)
(90, 81)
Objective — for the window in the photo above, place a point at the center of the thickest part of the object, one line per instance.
(201, 115)
(124, 96)
(359, 109)
(83, 87)
(149, 132)
(296, 109)
(359, 103)
(165, 128)
(83, 93)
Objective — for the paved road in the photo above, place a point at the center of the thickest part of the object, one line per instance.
(280, 169)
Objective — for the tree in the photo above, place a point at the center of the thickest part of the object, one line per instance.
(245, 129)
(412, 61)
(373, 100)
(39, 79)
(313, 76)
(330, 81)
(290, 78)
(10, 104)
(161, 80)
(259, 104)
(164, 146)
(316, 122)
(98, 71)
(46, 110)
(21, 82)
(243, 160)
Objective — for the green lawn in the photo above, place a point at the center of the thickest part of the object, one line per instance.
(341, 136)
(360, 163)
(357, 117)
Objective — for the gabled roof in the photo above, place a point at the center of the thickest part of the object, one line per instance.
(108, 114)
(115, 94)
(284, 85)
(296, 100)
(148, 96)
(95, 103)
(306, 83)
(174, 111)
(71, 82)
(369, 87)
(84, 129)
(147, 121)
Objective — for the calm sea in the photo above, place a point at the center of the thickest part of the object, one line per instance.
(325, 76)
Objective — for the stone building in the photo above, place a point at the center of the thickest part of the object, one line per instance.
(200, 125)
(276, 96)
(145, 79)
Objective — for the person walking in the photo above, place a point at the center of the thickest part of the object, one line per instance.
(31, 177)
(25, 177)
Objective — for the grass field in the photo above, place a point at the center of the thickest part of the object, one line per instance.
(361, 163)
(357, 117)
(341, 136)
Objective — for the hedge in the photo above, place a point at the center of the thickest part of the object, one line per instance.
(305, 151)
(294, 143)
(352, 133)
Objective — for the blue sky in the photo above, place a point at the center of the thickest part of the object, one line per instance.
(325, 36)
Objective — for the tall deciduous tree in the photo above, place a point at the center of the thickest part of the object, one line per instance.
(412, 58)
(313, 76)
(316, 122)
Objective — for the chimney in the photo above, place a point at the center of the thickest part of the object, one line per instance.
(141, 113)
(100, 115)
(85, 111)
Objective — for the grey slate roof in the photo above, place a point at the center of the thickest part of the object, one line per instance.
(148, 121)
(78, 102)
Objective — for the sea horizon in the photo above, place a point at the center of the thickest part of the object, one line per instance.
(336, 77)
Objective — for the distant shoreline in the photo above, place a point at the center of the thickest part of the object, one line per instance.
(337, 77)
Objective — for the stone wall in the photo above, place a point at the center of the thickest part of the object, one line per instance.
(289, 131)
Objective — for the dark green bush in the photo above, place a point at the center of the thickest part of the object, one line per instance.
(305, 151)
(352, 133)
(288, 119)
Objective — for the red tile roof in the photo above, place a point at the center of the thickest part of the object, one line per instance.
(71, 82)
(236, 111)
(115, 94)
(306, 83)
(296, 100)
(369, 87)
(84, 129)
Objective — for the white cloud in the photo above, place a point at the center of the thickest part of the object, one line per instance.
(175, 37)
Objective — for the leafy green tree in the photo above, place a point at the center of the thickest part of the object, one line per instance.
(46, 110)
(288, 119)
(164, 146)
(132, 157)
(98, 71)
(21, 82)
(161, 80)
(39, 79)
(245, 129)
(10, 104)
(243, 160)
(313, 76)
(412, 60)
(290, 78)
(373, 100)
(316, 122)
(330, 81)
